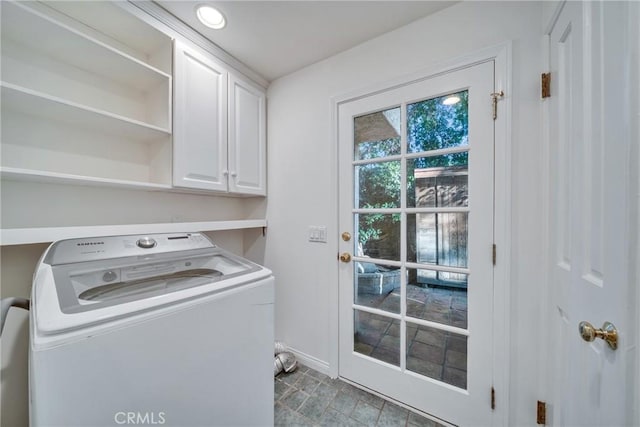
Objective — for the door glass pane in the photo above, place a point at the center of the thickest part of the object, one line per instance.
(378, 236)
(377, 134)
(439, 181)
(375, 337)
(377, 286)
(437, 296)
(438, 238)
(378, 185)
(438, 123)
(437, 354)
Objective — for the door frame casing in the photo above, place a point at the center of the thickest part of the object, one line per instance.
(501, 55)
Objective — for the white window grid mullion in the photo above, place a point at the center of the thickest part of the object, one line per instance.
(440, 152)
(360, 162)
(410, 210)
(404, 155)
(439, 326)
(438, 267)
(379, 312)
(403, 237)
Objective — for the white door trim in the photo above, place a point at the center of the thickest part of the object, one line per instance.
(501, 54)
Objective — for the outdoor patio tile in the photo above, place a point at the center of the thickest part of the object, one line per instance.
(371, 338)
(457, 343)
(455, 377)
(394, 330)
(439, 315)
(456, 359)
(390, 342)
(363, 348)
(427, 352)
(428, 369)
(431, 336)
(390, 356)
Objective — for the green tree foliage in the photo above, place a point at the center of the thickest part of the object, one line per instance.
(431, 125)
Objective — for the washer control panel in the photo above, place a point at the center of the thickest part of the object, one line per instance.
(98, 248)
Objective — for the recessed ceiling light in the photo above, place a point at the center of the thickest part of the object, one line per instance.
(451, 100)
(211, 17)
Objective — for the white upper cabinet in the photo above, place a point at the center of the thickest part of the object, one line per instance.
(247, 138)
(200, 117)
(219, 127)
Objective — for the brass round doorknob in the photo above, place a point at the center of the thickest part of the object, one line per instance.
(608, 332)
(345, 257)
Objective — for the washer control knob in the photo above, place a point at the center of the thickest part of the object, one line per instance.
(146, 243)
(109, 276)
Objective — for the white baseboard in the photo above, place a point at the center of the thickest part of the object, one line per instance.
(310, 361)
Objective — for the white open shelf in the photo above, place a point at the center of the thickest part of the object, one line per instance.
(41, 33)
(25, 236)
(31, 102)
(29, 175)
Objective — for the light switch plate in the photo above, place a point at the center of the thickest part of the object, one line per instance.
(318, 233)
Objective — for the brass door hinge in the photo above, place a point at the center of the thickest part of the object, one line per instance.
(494, 254)
(541, 413)
(545, 83)
(493, 398)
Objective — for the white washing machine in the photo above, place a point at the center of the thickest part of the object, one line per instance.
(163, 329)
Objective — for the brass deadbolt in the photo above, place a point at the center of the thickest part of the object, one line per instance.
(345, 257)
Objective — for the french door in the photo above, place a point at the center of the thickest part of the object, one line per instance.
(416, 215)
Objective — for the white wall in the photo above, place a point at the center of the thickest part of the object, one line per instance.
(302, 171)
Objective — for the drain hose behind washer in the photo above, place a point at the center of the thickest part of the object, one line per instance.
(285, 360)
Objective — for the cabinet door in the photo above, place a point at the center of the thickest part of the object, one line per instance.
(200, 121)
(247, 139)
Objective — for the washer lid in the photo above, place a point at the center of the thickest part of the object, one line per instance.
(95, 285)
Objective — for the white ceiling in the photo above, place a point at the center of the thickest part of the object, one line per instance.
(275, 38)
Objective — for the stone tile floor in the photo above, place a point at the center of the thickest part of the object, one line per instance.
(306, 397)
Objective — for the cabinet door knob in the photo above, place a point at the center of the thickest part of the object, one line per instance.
(234, 174)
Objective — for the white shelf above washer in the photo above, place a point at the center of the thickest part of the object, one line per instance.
(26, 236)
(29, 175)
(35, 103)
